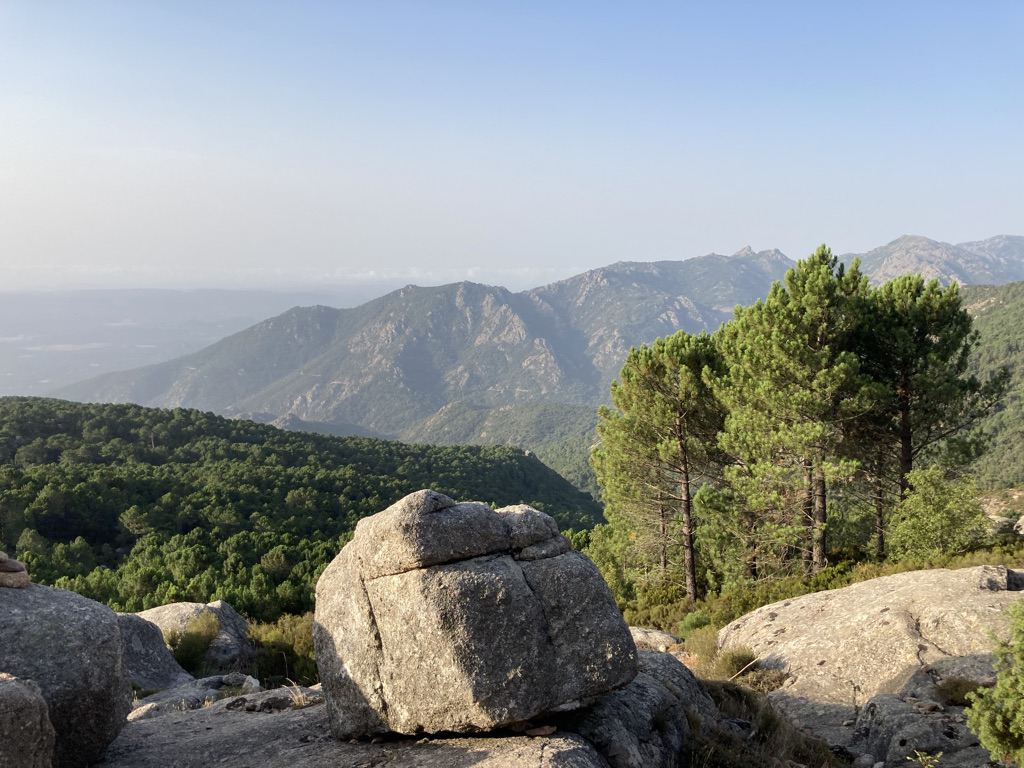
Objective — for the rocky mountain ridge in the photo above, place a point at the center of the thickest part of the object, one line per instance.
(399, 359)
(470, 363)
(994, 261)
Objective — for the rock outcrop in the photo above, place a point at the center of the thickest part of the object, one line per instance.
(642, 725)
(862, 659)
(26, 736)
(440, 616)
(12, 573)
(151, 665)
(71, 647)
(228, 736)
(645, 724)
(230, 651)
(194, 694)
(652, 639)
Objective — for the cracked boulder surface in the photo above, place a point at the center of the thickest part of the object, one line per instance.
(843, 647)
(227, 736)
(453, 617)
(642, 725)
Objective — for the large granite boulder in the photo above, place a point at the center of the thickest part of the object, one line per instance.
(26, 736)
(151, 666)
(850, 652)
(71, 647)
(230, 651)
(440, 616)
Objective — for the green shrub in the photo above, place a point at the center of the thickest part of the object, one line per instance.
(952, 691)
(703, 643)
(764, 680)
(731, 663)
(190, 647)
(284, 651)
(996, 715)
(937, 517)
(694, 620)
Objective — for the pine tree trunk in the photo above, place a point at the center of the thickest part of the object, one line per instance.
(808, 516)
(879, 517)
(906, 441)
(663, 512)
(689, 564)
(818, 542)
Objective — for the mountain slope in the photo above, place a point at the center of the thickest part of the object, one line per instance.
(994, 261)
(399, 359)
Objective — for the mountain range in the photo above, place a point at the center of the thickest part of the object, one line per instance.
(470, 363)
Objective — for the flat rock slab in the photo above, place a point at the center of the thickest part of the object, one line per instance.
(843, 647)
(218, 737)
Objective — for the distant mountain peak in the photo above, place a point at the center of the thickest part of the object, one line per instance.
(744, 251)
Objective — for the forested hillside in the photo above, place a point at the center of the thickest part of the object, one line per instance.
(999, 320)
(138, 507)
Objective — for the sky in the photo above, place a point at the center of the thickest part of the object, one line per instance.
(251, 144)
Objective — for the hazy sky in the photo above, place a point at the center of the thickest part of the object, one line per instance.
(246, 143)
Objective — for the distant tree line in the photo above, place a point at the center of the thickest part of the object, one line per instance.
(804, 425)
(137, 507)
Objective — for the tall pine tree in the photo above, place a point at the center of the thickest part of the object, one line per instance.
(792, 390)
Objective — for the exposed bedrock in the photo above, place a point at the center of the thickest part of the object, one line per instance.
(853, 653)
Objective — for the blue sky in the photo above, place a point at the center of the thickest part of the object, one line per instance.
(196, 143)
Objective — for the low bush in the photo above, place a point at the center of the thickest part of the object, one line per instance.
(996, 715)
(693, 620)
(190, 647)
(733, 662)
(703, 644)
(284, 651)
(773, 741)
(952, 691)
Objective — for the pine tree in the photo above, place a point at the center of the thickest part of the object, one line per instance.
(657, 441)
(793, 389)
(915, 341)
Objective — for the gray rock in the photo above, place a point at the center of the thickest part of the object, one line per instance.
(12, 573)
(241, 738)
(230, 651)
(430, 620)
(190, 695)
(644, 725)
(652, 639)
(26, 735)
(14, 580)
(894, 635)
(894, 730)
(150, 663)
(71, 647)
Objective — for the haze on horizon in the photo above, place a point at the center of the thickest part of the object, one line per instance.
(249, 144)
